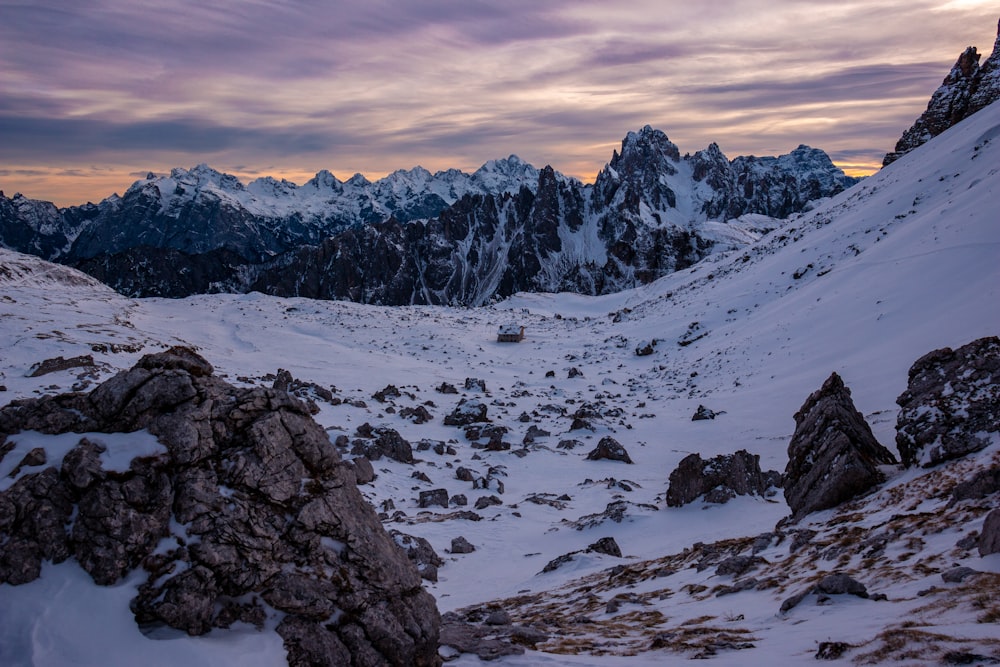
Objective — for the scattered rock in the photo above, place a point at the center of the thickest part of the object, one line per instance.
(445, 388)
(832, 584)
(568, 444)
(307, 391)
(417, 415)
(487, 501)
(59, 364)
(468, 411)
(703, 414)
(645, 350)
(989, 536)
(386, 442)
(957, 575)
(606, 546)
(364, 472)
(475, 384)
(609, 448)
(832, 650)
(833, 455)
(486, 642)
(460, 545)
(718, 479)
(841, 584)
(574, 372)
(982, 484)
(951, 406)
(737, 565)
(534, 433)
(434, 497)
(383, 395)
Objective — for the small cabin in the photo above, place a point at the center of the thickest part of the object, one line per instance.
(511, 333)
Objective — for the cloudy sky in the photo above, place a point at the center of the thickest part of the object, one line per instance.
(95, 93)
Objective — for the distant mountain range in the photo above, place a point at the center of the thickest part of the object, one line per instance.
(417, 237)
(453, 238)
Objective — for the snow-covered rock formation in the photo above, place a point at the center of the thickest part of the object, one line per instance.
(968, 88)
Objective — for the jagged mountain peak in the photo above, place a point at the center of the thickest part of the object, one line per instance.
(647, 144)
(968, 88)
(357, 180)
(324, 180)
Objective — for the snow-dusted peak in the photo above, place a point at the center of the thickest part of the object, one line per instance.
(649, 143)
(324, 180)
(268, 186)
(358, 180)
(505, 175)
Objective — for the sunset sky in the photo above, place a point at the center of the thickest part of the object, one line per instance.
(96, 93)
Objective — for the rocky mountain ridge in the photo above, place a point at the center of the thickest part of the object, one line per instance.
(968, 88)
(416, 237)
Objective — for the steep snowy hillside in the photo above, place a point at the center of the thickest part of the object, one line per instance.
(864, 285)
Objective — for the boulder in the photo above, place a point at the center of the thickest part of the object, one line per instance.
(475, 384)
(703, 414)
(468, 411)
(833, 455)
(434, 497)
(989, 536)
(951, 406)
(609, 448)
(718, 479)
(248, 501)
(460, 545)
(606, 546)
(383, 441)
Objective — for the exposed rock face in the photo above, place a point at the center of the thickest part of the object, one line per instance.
(833, 455)
(718, 479)
(231, 480)
(968, 88)
(951, 406)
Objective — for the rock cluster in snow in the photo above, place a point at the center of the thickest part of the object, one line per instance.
(719, 479)
(968, 88)
(951, 406)
(248, 510)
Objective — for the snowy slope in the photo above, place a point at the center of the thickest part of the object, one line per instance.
(903, 263)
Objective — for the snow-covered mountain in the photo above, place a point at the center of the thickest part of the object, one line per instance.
(200, 230)
(863, 285)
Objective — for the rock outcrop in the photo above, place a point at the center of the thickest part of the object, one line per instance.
(968, 88)
(719, 479)
(833, 455)
(951, 406)
(245, 508)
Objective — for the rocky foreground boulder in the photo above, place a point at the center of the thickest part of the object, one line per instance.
(246, 509)
(951, 406)
(719, 479)
(833, 455)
